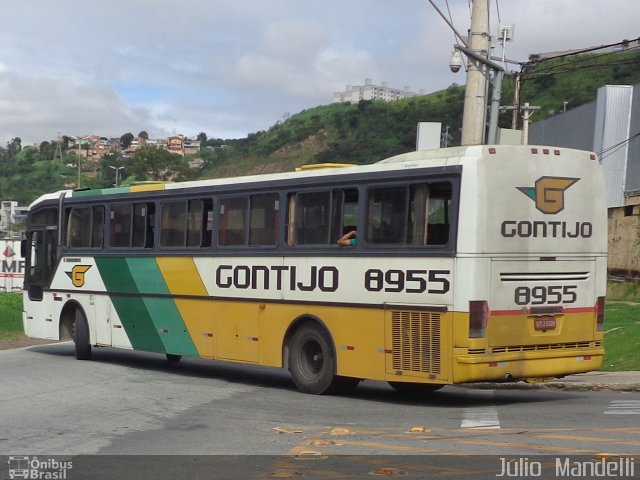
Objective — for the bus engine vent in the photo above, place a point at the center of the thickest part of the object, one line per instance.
(416, 341)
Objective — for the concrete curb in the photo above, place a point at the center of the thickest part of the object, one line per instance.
(592, 381)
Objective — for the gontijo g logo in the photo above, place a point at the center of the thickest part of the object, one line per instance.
(548, 193)
(77, 274)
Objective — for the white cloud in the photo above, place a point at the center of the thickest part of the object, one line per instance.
(231, 67)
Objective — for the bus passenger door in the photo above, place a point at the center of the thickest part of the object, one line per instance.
(40, 251)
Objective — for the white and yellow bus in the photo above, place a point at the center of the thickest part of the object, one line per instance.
(470, 264)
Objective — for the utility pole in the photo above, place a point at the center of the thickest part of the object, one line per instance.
(527, 111)
(473, 119)
(57, 156)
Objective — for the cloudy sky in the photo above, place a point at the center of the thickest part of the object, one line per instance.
(231, 67)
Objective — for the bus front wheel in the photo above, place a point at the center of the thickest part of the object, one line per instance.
(312, 362)
(81, 336)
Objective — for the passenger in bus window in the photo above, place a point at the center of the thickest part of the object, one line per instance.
(348, 239)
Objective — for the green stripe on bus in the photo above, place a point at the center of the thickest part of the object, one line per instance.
(132, 310)
(100, 191)
(163, 310)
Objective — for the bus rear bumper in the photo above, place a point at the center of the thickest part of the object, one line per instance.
(525, 365)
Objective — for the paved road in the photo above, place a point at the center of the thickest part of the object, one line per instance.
(131, 403)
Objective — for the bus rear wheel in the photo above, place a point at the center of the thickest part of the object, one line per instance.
(409, 388)
(81, 336)
(312, 361)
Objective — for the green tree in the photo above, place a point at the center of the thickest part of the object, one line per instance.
(126, 139)
(144, 135)
(14, 146)
(153, 163)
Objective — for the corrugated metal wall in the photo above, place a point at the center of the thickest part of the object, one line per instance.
(573, 129)
(603, 126)
(613, 112)
(633, 163)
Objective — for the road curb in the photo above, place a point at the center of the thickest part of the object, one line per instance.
(556, 385)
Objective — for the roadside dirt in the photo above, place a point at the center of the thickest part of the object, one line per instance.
(23, 342)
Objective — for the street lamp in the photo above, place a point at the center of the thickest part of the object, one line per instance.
(117, 169)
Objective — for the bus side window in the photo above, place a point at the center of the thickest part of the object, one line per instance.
(120, 225)
(309, 218)
(439, 201)
(345, 212)
(264, 219)
(386, 215)
(142, 233)
(97, 227)
(173, 223)
(78, 235)
(233, 221)
(199, 223)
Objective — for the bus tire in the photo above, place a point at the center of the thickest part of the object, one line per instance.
(312, 361)
(408, 388)
(81, 336)
(173, 358)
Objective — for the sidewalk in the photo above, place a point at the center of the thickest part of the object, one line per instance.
(618, 381)
(591, 381)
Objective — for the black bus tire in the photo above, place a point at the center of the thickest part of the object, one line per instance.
(312, 361)
(173, 358)
(81, 336)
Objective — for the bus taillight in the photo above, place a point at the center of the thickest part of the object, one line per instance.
(478, 317)
(600, 314)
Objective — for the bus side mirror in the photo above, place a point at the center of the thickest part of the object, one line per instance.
(23, 248)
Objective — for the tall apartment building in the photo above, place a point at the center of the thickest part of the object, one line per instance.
(369, 91)
(10, 214)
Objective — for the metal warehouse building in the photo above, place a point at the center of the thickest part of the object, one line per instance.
(610, 126)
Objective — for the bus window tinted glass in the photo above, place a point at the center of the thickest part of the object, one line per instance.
(142, 225)
(199, 223)
(416, 214)
(78, 231)
(233, 221)
(438, 206)
(312, 218)
(173, 223)
(120, 225)
(97, 227)
(386, 215)
(264, 219)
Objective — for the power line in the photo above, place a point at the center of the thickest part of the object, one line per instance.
(613, 148)
(584, 50)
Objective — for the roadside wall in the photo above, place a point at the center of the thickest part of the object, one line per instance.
(11, 266)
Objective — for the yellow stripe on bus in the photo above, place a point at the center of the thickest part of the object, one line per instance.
(147, 187)
(182, 278)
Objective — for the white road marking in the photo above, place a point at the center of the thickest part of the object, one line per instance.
(623, 407)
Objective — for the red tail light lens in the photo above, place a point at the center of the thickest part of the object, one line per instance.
(600, 314)
(478, 318)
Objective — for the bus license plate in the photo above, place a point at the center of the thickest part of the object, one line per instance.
(545, 323)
